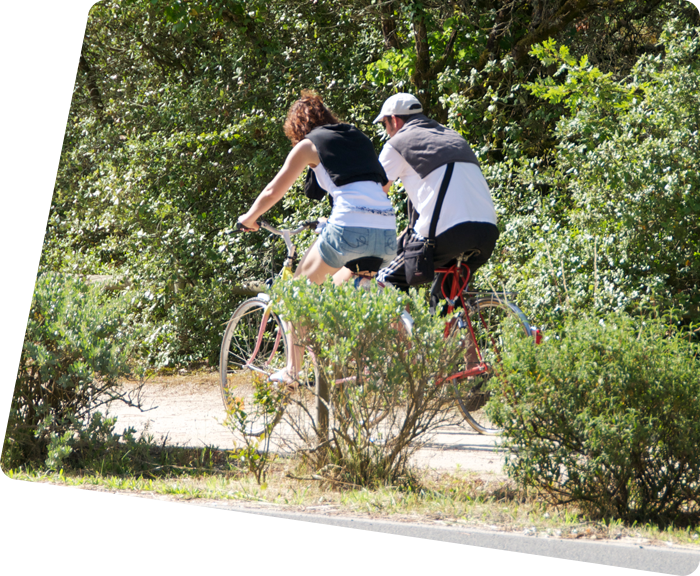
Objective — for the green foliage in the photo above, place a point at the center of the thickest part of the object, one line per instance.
(176, 125)
(608, 220)
(267, 402)
(604, 415)
(383, 399)
(97, 448)
(76, 348)
(101, 456)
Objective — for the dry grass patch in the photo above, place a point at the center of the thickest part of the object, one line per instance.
(453, 499)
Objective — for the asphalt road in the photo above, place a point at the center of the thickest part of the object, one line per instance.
(157, 536)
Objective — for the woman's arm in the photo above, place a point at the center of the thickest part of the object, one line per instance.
(302, 155)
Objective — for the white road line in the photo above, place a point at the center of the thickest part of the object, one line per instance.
(22, 571)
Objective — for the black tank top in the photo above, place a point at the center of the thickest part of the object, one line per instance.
(347, 154)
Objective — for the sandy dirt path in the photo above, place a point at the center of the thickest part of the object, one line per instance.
(187, 410)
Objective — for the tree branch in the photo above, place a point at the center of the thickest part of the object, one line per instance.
(425, 71)
(420, 35)
(439, 66)
(570, 10)
(391, 40)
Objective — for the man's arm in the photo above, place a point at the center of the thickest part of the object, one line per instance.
(391, 162)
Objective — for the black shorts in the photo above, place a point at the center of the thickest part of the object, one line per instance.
(464, 237)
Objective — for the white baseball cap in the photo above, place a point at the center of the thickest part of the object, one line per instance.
(399, 104)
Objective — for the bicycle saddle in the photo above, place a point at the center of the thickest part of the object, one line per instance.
(366, 265)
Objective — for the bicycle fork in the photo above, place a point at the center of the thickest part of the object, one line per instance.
(259, 339)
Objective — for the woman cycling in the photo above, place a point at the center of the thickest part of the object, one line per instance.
(362, 221)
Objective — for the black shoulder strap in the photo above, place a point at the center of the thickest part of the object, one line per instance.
(438, 203)
(412, 214)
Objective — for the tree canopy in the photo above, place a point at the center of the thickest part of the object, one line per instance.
(583, 114)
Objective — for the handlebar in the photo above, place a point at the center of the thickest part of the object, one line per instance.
(306, 225)
(285, 234)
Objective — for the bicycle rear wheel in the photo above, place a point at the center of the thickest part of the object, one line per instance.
(491, 319)
(254, 346)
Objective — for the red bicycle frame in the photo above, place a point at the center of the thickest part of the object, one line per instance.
(460, 274)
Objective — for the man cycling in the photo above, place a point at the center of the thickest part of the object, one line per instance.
(417, 153)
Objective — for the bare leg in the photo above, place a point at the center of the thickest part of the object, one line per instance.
(295, 356)
(315, 269)
(342, 276)
(472, 356)
(302, 262)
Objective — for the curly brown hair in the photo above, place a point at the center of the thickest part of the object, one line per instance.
(305, 114)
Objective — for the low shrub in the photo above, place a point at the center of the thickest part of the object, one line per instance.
(96, 449)
(77, 346)
(382, 397)
(606, 415)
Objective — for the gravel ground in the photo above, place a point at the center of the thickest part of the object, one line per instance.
(187, 410)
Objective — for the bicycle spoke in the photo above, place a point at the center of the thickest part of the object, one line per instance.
(254, 343)
(491, 322)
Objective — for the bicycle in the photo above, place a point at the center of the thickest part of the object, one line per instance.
(255, 339)
(485, 315)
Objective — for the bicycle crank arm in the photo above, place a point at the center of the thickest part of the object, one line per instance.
(477, 370)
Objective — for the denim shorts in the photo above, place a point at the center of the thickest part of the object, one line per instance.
(338, 245)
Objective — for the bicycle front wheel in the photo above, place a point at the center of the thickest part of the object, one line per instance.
(254, 346)
(492, 320)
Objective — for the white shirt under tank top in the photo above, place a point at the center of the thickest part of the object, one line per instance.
(468, 198)
(359, 204)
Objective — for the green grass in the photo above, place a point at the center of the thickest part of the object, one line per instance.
(458, 498)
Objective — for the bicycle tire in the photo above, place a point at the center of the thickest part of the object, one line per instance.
(250, 352)
(488, 316)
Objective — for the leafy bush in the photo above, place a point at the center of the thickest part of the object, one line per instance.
(607, 219)
(254, 451)
(606, 415)
(382, 394)
(77, 346)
